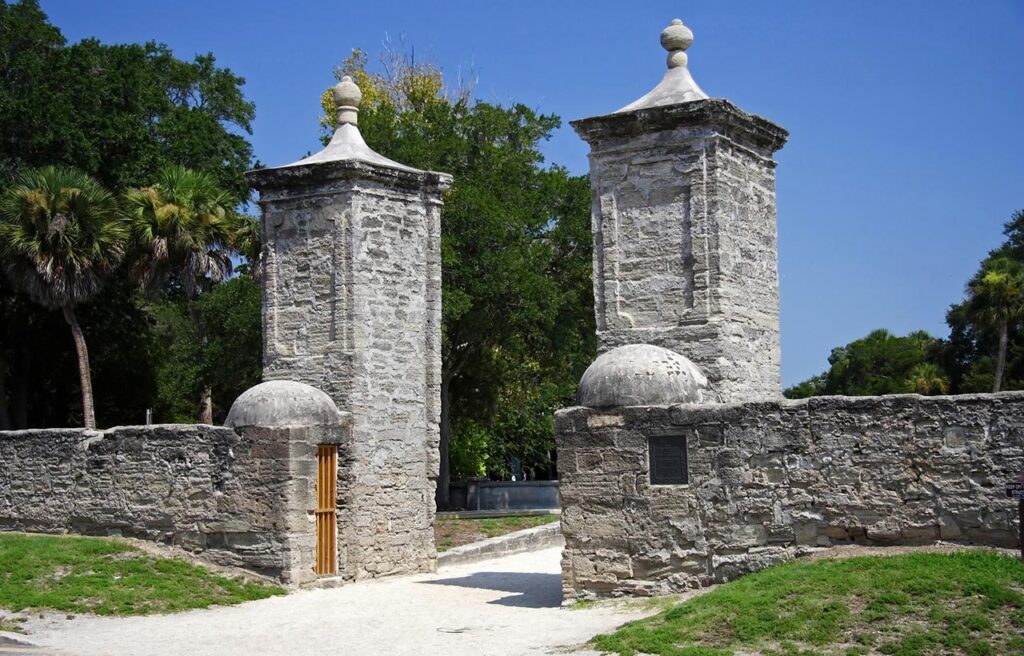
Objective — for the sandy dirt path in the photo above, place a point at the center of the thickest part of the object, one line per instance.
(505, 606)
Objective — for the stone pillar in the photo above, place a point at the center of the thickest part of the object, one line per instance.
(352, 305)
(281, 424)
(684, 229)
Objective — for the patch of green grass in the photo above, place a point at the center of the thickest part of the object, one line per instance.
(922, 604)
(108, 577)
(449, 532)
(495, 526)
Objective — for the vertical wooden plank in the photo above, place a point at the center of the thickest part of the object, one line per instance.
(319, 510)
(319, 529)
(323, 517)
(333, 515)
(325, 497)
(326, 509)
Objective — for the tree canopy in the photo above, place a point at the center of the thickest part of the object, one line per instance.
(120, 113)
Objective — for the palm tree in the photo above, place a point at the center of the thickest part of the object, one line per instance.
(61, 234)
(182, 226)
(928, 379)
(996, 301)
(247, 241)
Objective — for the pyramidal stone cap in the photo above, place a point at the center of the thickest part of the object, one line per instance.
(677, 86)
(347, 142)
(641, 374)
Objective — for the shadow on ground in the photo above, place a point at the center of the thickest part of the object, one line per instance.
(531, 590)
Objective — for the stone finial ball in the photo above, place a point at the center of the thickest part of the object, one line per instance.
(676, 36)
(347, 93)
(640, 374)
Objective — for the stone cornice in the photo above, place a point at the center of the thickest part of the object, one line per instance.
(714, 113)
(305, 175)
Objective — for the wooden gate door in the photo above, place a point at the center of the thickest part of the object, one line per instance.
(327, 509)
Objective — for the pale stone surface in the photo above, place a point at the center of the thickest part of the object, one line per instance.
(677, 86)
(284, 403)
(769, 480)
(685, 241)
(352, 305)
(528, 539)
(347, 143)
(346, 99)
(640, 374)
(504, 607)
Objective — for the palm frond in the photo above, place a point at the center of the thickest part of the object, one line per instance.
(182, 225)
(61, 234)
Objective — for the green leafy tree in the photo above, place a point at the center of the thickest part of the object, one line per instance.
(61, 235)
(228, 358)
(232, 346)
(182, 225)
(880, 363)
(974, 341)
(515, 245)
(927, 378)
(996, 301)
(177, 359)
(246, 239)
(121, 113)
(813, 386)
(118, 112)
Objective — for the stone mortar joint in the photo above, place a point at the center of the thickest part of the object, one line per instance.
(346, 100)
(676, 38)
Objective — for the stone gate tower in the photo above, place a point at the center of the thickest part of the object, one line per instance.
(684, 229)
(352, 305)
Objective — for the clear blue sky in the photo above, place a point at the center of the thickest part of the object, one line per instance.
(906, 152)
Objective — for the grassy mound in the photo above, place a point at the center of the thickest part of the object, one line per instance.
(108, 577)
(908, 605)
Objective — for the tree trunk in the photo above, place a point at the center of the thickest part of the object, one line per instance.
(5, 417)
(84, 373)
(1004, 329)
(20, 394)
(206, 405)
(443, 496)
(206, 396)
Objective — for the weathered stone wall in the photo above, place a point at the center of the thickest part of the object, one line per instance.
(352, 302)
(206, 489)
(770, 479)
(685, 239)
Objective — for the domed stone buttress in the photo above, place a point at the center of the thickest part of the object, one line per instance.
(277, 403)
(641, 374)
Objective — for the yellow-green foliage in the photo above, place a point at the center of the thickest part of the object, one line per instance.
(404, 84)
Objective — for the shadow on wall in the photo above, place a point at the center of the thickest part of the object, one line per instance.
(531, 589)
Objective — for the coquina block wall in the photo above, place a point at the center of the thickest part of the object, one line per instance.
(204, 488)
(238, 496)
(768, 480)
